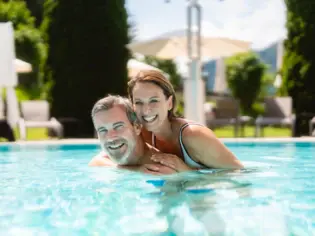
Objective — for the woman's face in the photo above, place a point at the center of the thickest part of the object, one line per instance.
(151, 105)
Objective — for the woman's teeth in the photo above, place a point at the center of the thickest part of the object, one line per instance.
(149, 118)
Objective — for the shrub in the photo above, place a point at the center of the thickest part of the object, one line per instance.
(245, 73)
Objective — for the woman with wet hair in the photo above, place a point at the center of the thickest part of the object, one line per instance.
(186, 145)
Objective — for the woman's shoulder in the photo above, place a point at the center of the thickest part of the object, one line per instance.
(179, 122)
(191, 130)
(182, 122)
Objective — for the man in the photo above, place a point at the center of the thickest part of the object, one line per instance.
(119, 132)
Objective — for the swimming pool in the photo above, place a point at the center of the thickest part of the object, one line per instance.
(49, 190)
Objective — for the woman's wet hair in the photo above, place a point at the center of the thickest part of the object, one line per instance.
(157, 78)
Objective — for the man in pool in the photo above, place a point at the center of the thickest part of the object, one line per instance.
(119, 132)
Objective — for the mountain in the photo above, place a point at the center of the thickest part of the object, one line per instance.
(268, 55)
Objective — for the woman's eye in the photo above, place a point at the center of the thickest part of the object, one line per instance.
(154, 101)
(138, 103)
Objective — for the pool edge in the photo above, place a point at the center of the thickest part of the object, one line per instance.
(95, 141)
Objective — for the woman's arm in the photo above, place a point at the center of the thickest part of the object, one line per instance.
(156, 169)
(204, 147)
(171, 161)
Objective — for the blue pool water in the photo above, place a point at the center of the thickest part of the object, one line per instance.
(49, 190)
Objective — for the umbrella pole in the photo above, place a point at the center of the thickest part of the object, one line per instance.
(194, 87)
(194, 93)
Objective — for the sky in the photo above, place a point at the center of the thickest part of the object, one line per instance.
(261, 22)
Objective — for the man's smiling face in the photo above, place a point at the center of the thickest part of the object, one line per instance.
(117, 135)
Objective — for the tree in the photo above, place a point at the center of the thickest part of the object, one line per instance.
(36, 7)
(28, 43)
(245, 76)
(299, 67)
(167, 66)
(87, 56)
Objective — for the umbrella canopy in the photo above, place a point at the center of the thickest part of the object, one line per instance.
(173, 47)
(8, 77)
(22, 66)
(134, 66)
(7, 55)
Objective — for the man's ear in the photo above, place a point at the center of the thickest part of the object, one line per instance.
(138, 128)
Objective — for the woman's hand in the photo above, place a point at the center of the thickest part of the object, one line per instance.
(157, 169)
(171, 161)
(154, 169)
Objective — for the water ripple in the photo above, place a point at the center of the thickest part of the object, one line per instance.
(53, 192)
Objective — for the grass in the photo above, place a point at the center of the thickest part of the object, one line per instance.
(224, 132)
(34, 134)
(228, 132)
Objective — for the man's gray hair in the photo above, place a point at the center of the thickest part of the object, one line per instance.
(110, 101)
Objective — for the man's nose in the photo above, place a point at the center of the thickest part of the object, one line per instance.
(111, 134)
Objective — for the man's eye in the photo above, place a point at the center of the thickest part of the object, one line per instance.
(118, 127)
(103, 131)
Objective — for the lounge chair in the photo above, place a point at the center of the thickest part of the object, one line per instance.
(35, 114)
(5, 129)
(278, 111)
(227, 112)
(2, 115)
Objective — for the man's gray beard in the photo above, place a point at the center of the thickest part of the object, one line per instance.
(128, 158)
(135, 161)
(124, 160)
(131, 159)
(104, 149)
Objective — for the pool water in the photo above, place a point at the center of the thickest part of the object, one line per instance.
(50, 190)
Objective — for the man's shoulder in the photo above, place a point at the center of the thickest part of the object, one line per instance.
(101, 159)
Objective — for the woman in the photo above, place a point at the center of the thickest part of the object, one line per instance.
(186, 145)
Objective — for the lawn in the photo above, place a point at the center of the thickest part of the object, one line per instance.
(33, 134)
(228, 132)
(225, 132)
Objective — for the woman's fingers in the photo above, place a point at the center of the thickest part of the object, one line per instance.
(152, 167)
(168, 163)
(158, 169)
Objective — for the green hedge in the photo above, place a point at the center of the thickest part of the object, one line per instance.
(245, 76)
(299, 67)
(87, 56)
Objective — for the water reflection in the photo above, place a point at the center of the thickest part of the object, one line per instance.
(189, 202)
(220, 202)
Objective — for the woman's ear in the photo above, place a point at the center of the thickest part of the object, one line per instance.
(170, 102)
